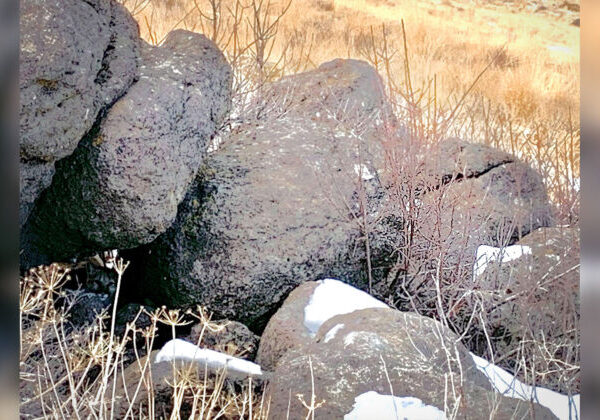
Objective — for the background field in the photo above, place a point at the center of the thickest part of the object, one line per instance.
(512, 65)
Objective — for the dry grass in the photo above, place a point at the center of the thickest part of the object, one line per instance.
(527, 102)
(67, 371)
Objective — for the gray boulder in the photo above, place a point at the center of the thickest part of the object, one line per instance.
(384, 352)
(495, 196)
(76, 58)
(283, 200)
(122, 185)
(468, 195)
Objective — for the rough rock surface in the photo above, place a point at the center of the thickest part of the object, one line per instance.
(230, 337)
(132, 313)
(388, 352)
(122, 185)
(286, 330)
(86, 307)
(480, 187)
(77, 57)
(279, 202)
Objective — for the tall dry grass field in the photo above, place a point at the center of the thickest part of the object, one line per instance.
(512, 66)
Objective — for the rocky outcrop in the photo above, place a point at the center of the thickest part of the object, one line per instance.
(386, 352)
(77, 57)
(122, 185)
(285, 199)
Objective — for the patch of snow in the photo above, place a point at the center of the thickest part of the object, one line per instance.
(362, 171)
(371, 339)
(349, 338)
(333, 297)
(487, 254)
(372, 405)
(214, 144)
(181, 350)
(563, 406)
(332, 332)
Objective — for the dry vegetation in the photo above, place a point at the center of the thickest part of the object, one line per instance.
(526, 101)
(92, 371)
(493, 73)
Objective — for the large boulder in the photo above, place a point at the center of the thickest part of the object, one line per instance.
(289, 196)
(484, 196)
(122, 185)
(77, 57)
(382, 352)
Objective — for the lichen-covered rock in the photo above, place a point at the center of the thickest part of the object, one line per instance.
(285, 199)
(390, 353)
(122, 185)
(77, 57)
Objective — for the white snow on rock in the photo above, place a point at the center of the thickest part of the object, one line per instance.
(332, 332)
(372, 405)
(487, 254)
(184, 351)
(563, 406)
(362, 171)
(333, 297)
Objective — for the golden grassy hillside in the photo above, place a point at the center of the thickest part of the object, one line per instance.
(526, 101)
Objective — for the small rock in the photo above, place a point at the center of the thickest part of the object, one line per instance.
(230, 337)
(87, 307)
